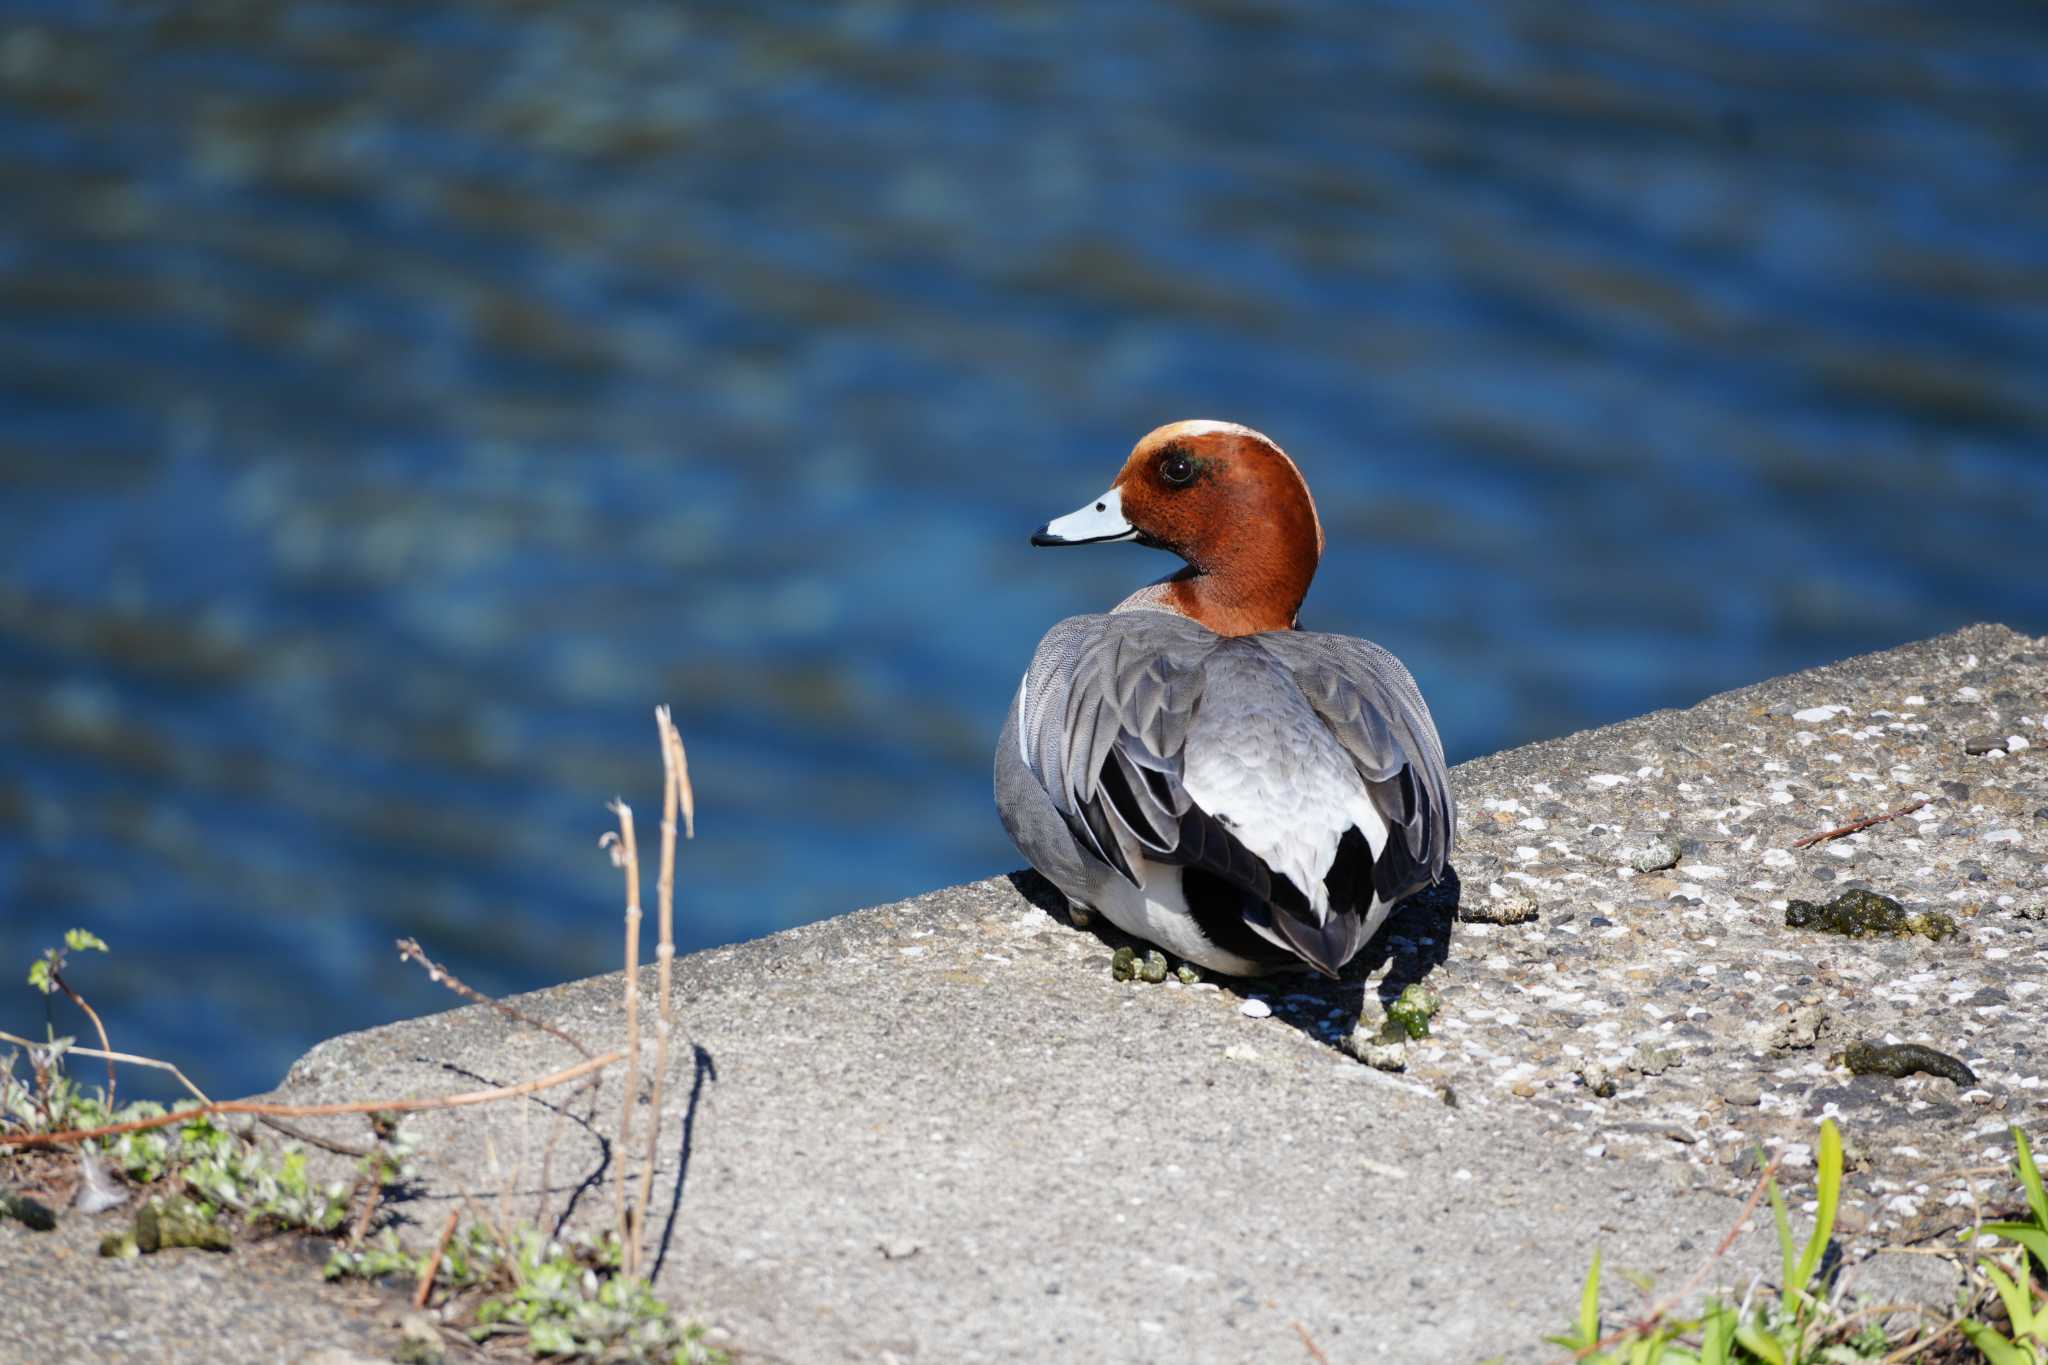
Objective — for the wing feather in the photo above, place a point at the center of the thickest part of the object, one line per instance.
(1370, 702)
(1112, 698)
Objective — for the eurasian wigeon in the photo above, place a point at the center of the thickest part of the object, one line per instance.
(1245, 794)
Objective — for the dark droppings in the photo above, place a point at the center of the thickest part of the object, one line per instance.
(35, 1214)
(1866, 914)
(1899, 1060)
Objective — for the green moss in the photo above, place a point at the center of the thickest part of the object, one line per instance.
(179, 1223)
(1126, 965)
(1413, 1011)
(1866, 914)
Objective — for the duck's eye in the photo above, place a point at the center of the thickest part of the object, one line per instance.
(1177, 469)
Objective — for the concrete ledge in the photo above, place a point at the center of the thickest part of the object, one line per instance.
(939, 1131)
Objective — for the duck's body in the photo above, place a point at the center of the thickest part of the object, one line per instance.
(1246, 795)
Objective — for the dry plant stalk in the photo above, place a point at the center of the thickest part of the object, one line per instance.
(106, 1049)
(1858, 826)
(625, 852)
(314, 1111)
(128, 1057)
(675, 793)
(409, 950)
(425, 1287)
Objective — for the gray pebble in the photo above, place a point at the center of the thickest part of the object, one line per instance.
(1656, 855)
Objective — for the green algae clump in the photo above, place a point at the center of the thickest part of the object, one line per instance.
(1413, 1011)
(1865, 914)
(1126, 965)
(179, 1223)
(1899, 1060)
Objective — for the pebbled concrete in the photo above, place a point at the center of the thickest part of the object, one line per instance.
(939, 1131)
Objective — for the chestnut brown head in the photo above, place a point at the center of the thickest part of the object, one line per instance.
(1228, 501)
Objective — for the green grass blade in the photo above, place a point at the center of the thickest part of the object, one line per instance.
(1996, 1348)
(1830, 1200)
(1759, 1345)
(2026, 1234)
(2030, 1175)
(2014, 1297)
(1717, 1336)
(1589, 1305)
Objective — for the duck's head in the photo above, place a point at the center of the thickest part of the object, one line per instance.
(1228, 501)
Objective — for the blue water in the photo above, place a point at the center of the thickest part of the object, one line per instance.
(398, 400)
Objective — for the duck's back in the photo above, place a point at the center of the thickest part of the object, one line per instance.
(1282, 790)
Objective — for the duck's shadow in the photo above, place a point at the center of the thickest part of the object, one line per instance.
(1415, 941)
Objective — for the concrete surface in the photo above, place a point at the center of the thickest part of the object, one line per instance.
(940, 1131)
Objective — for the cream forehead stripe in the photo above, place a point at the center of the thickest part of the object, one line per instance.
(1207, 427)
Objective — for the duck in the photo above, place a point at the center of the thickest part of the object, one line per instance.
(1192, 765)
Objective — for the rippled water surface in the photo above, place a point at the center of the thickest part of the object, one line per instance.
(396, 401)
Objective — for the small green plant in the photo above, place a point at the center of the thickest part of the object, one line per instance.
(568, 1299)
(1803, 1325)
(2013, 1280)
(1779, 1333)
(205, 1182)
(46, 972)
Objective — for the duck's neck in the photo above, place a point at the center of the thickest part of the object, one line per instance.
(1248, 567)
(1235, 604)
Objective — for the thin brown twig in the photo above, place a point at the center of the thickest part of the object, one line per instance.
(425, 1288)
(1914, 1348)
(675, 774)
(1315, 1352)
(1839, 1327)
(507, 1257)
(314, 1111)
(370, 1203)
(547, 1151)
(107, 1048)
(298, 1134)
(504, 1175)
(626, 855)
(1858, 826)
(409, 950)
(128, 1057)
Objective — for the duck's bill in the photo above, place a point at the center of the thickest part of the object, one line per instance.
(1099, 522)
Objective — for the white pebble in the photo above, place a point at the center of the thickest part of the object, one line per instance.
(1814, 715)
(2015, 743)
(1255, 1008)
